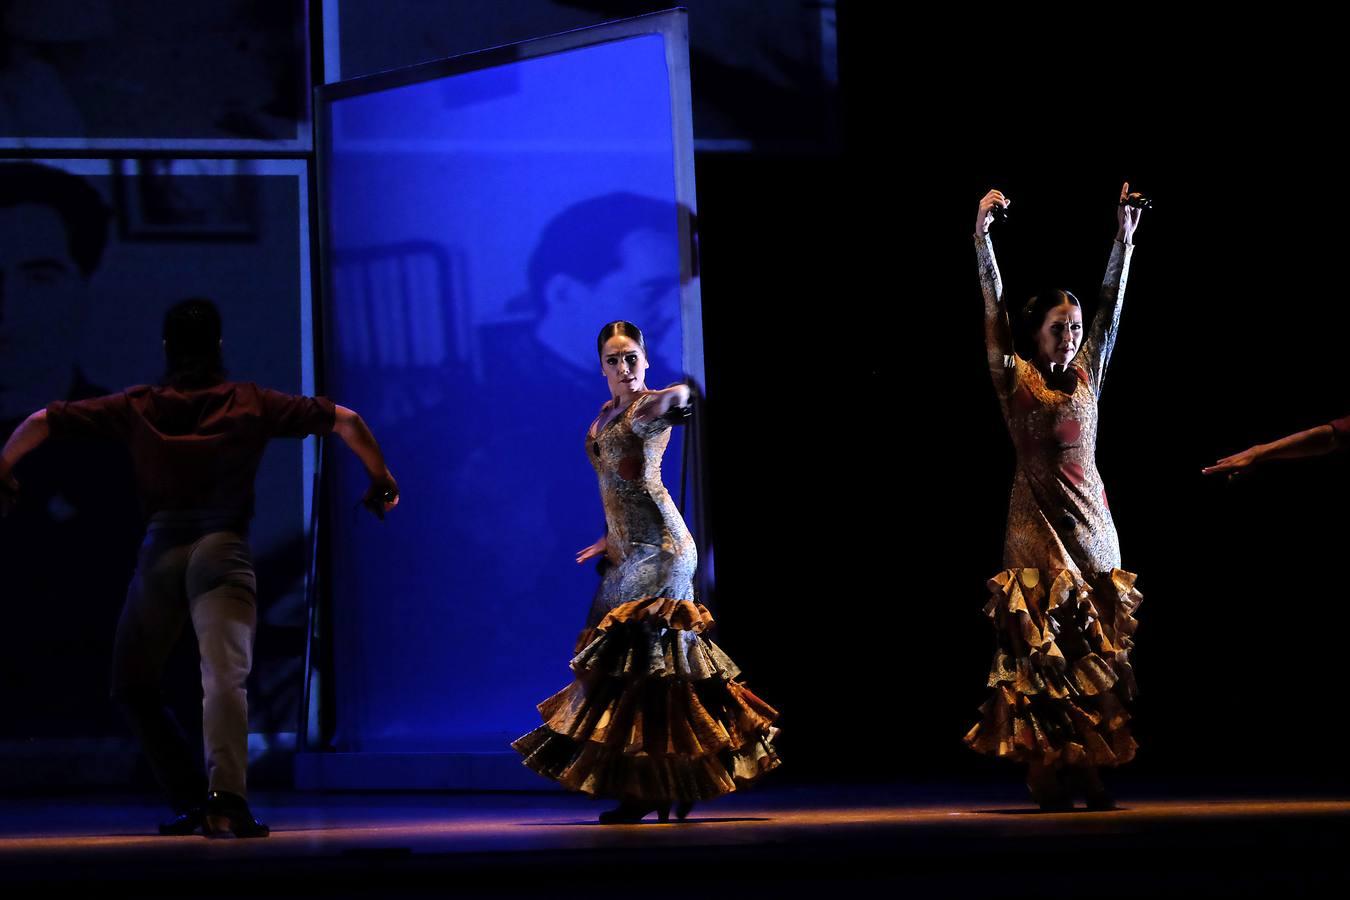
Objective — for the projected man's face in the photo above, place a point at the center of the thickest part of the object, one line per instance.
(647, 287)
(42, 299)
(644, 288)
(624, 365)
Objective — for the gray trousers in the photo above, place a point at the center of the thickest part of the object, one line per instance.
(192, 567)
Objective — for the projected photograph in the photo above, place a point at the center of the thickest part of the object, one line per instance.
(82, 311)
(99, 74)
(200, 199)
(481, 227)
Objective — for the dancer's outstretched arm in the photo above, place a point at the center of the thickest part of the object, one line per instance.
(1311, 442)
(30, 434)
(383, 494)
(660, 403)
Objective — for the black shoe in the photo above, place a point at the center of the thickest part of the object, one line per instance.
(630, 812)
(228, 814)
(1101, 801)
(683, 809)
(186, 822)
(1048, 790)
(1087, 781)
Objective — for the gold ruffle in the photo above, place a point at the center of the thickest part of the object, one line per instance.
(601, 771)
(1062, 672)
(655, 711)
(686, 615)
(640, 651)
(660, 717)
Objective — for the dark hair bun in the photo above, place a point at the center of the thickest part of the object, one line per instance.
(619, 327)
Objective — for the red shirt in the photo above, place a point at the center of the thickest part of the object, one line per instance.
(196, 449)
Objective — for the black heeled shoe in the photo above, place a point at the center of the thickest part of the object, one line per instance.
(186, 822)
(1048, 791)
(683, 809)
(228, 814)
(1101, 801)
(1087, 781)
(630, 812)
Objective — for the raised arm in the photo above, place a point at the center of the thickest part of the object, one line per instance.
(30, 434)
(382, 495)
(998, 341)
(1101, 338)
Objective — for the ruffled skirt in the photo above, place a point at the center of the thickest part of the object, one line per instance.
(656, 712)
(1062, 676)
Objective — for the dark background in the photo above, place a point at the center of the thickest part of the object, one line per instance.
(843, 320)
(859, 466)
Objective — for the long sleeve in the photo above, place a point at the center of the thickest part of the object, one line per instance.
(1101, 339)
(997, 332)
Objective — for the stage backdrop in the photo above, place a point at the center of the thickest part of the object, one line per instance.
(484, 217)
(94, 252)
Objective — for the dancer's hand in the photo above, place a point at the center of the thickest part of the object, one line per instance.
(672, 403)
(382, 495)
(984, 215)
(599, 548)
(1127, 217)
(1238, 462)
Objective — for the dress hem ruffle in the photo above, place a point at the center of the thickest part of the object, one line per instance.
(1062, 674)
(655, 712)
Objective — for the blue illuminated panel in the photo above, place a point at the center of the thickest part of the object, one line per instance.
(481, 227)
